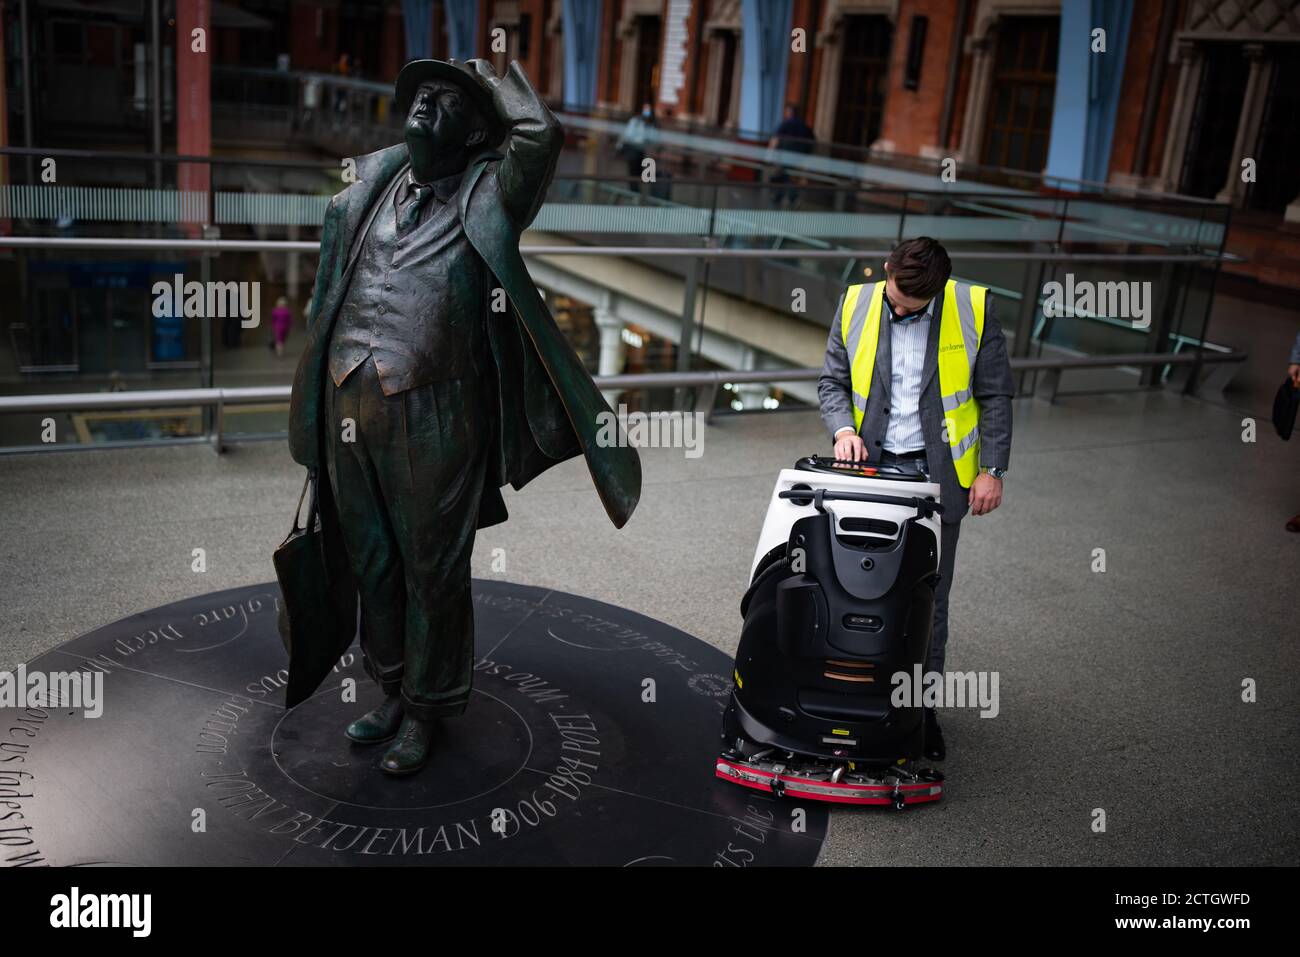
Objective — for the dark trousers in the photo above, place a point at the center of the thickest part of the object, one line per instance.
(633, 158)
(784, 187)
(948, 534)
(407, 490)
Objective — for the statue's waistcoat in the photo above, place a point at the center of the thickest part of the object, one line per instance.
(415, 301)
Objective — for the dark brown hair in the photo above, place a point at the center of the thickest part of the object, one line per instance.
(919, 267)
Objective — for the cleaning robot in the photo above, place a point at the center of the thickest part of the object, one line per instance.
(841, 598)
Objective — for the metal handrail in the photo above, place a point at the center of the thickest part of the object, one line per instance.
(142, 398)
(535, 249)
(1035, 363)
(173, 398)
(1092, 191)
(219, 398)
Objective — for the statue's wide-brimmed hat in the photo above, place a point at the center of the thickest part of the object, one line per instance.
(422, 71)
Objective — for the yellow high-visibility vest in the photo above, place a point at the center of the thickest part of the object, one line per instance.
(961, 327)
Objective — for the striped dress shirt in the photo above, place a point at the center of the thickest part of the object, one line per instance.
(907, 341)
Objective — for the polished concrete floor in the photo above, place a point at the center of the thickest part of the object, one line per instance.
(1120, 690)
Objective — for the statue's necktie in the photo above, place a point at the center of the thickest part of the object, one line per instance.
(411, 213)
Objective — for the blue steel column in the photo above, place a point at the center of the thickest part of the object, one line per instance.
(765, 51)
(417, 27)
(1088, 88)
(462, 29)
(581, 52)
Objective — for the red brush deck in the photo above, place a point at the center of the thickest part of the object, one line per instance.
(839, 793)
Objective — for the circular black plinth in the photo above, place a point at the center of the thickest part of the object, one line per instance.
(590, 739)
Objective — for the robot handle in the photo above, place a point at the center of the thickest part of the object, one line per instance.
(820, 463)
(925, 507)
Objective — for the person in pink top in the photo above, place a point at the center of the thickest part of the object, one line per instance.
(281, 320)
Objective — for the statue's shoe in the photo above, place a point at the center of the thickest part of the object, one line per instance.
(379, 725)
(411, 749)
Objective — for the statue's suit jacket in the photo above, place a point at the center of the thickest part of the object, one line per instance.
(548, 407)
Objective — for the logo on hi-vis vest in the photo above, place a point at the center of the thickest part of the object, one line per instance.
(950, 346)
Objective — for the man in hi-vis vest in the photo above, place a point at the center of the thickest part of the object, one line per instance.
(917, 376)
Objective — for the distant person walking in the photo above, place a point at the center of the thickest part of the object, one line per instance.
(1293, 370)
(639, 136)
(281, 323)
(343, 68)
(793, 136)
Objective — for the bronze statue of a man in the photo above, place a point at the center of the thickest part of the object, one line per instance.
(415, 399)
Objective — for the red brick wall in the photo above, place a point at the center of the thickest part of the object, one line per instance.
(306, 50)
(392, 50)
(484, 48)
(697, 64)
(438, 25)
(532, 64)
(814, 23)
(193, 99)
(1270, 251)
(796, 62)
(912, 117)
(1166, 108)
(963, 93)
(6, 226)
(1140, 63)
(610, 47)
(700, 50)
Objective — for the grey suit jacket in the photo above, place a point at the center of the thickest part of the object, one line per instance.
(991, 384)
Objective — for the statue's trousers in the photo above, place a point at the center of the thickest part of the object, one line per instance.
(407, 488)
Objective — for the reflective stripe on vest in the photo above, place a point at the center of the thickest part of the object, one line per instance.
(961, 327)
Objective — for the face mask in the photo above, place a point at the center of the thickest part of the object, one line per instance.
(646, 114)
(904, 316)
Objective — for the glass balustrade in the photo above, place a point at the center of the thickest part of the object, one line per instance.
(765, 263)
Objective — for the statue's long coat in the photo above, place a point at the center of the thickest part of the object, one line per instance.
(548, 407)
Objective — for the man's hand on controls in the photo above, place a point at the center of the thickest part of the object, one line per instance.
(849, 446)
(985, 491)
(985, 494)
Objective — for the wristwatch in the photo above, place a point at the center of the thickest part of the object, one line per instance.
(997, 473)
